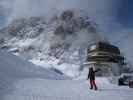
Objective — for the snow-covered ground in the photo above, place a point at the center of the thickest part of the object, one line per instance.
(13, 68)
(43, 89)
(21, 80)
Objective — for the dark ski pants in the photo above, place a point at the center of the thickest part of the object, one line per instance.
(93, 84)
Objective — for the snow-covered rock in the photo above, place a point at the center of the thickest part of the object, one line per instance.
(59, 42)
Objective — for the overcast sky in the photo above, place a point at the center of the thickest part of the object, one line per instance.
(119, 11)
(21, 8)
(115, 17)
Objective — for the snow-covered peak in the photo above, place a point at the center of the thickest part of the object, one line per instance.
(59, 42)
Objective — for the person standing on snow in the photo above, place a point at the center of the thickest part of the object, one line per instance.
(91, 76)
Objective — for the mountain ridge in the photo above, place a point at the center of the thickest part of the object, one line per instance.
(59, 42)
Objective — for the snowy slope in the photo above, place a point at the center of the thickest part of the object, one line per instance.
(12, 68)
(21, 80)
